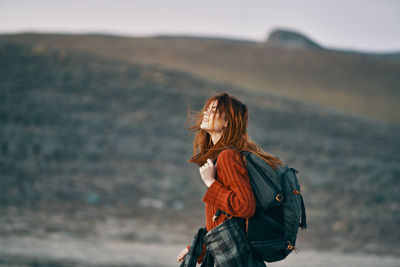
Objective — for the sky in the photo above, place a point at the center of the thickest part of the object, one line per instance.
(362, 25)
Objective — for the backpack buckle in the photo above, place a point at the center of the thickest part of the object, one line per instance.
(279, 197)
(290, 247)
(296, 192)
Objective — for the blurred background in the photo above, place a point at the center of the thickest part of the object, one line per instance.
(93, 103)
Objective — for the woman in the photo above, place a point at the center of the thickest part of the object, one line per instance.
(221, 124)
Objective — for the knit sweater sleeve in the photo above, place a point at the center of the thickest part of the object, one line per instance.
(234, 196)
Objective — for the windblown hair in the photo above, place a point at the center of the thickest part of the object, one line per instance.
(235, 134)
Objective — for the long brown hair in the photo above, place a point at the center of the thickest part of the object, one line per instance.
(235, 134)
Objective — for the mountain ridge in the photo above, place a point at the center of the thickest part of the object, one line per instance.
(273, 36)
(291, 39)
(346, 81)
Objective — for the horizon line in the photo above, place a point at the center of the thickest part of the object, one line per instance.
(192, 35)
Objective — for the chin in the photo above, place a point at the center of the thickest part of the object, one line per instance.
(205, 129)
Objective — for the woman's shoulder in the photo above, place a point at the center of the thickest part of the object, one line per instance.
(229, 156)
(229, 152)
(231, 164)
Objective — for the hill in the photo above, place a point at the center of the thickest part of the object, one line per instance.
(367, 84)
(86, 139)
(291, 39)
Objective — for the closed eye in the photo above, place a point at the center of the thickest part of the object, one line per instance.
(212, 111)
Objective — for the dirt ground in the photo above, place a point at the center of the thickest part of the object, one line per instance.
(59, 242)
(59, 250)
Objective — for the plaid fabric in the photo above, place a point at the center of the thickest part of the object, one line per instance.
(208, 260)
(228, 246)
(195, 250)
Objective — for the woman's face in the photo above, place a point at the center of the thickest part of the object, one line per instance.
(210, 115)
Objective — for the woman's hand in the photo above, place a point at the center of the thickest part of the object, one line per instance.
(182, 255)
(207, 172)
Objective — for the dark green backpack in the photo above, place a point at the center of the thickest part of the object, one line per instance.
(280, 211)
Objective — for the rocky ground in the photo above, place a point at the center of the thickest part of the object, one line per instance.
(90, 177)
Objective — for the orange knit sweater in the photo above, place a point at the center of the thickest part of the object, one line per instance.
(231, 192)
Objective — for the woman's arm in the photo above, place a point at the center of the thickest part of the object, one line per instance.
(235, 197)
